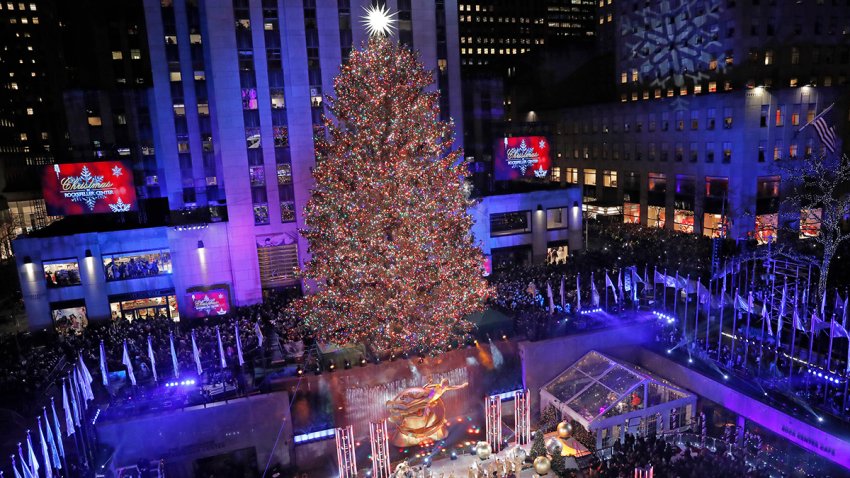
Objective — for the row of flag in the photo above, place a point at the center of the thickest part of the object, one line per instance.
(125, 358)
(630, 285)
(76, 393)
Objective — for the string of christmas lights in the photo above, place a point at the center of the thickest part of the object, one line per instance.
(394, 261)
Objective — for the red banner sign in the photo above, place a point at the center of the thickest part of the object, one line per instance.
(208, 303)
(522, 157)
(88, 188)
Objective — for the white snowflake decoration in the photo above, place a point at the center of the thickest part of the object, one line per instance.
(675, 40)
(90, 201)
(119, 206)
(540, 172)
(117, 171)
(542, 143)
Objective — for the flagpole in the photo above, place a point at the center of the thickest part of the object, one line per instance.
(829, 356)
(654, 285)
(747, 330)
(696, 314)
(664, 289)
(722, 306)
(811, 340)
(816, 117)
(606, 291)
(794, 328)
(675, 293)
(734, 326)
(687, 299)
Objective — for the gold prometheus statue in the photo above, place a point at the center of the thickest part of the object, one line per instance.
(419, 413)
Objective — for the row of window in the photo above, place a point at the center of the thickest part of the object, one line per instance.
(520, 222)
(117, 266)
(692, 152)
(713, 224)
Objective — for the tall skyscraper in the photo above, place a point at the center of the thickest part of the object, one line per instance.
(239, 90)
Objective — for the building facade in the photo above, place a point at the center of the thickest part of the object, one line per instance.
(712, 102)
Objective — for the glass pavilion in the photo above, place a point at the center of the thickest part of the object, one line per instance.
(611, 398)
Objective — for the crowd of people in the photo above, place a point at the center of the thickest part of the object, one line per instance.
(673, 461)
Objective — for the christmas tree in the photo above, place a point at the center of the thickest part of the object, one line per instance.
(538, 446)
(392, 254)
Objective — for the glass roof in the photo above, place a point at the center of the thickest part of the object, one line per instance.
(597, 385)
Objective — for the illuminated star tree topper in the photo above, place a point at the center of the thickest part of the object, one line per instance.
(392, 253)
(378, 20)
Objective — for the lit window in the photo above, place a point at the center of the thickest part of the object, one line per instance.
(117, 55)
(200, 75)
(23, 136)
(136, 54)
(175, 76)
(29, 111)
(768, 57)
(268, 26)
(195, 38)
(179, 109)
(712, 86)
(609, 179)
(94, 121)
(590, 177)
(203, 109)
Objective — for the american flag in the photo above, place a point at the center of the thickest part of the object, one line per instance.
(826, 133)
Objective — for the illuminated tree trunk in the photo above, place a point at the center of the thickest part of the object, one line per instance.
(387, 222)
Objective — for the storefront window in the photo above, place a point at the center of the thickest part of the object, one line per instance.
(62, 273)
(683, 221)
(766, 225)
(810, 220)
(712, 225)
(257, 175)
(133, 265)
(556, 218)
(656, 216)
(69, 318)
(631, 213)
(162, 308)
(508, 223)
(557, 253)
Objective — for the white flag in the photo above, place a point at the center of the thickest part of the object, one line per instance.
(54, 453)
(610, 284)
(766, 318)
(45, 453)
(259, 334)
(125, 359)
(104, 371)
(220, 348)
(87, 378)
(152, 359)
(197, 355)
(33, 460)
(174, 357)
(58, 428)
(239, 346)
(551, 299)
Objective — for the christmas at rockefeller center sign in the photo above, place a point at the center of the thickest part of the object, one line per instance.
(522, 157)
(88, 188)
(208, 302)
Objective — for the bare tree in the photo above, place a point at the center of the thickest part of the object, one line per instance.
(10, 226)
(818, 192)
